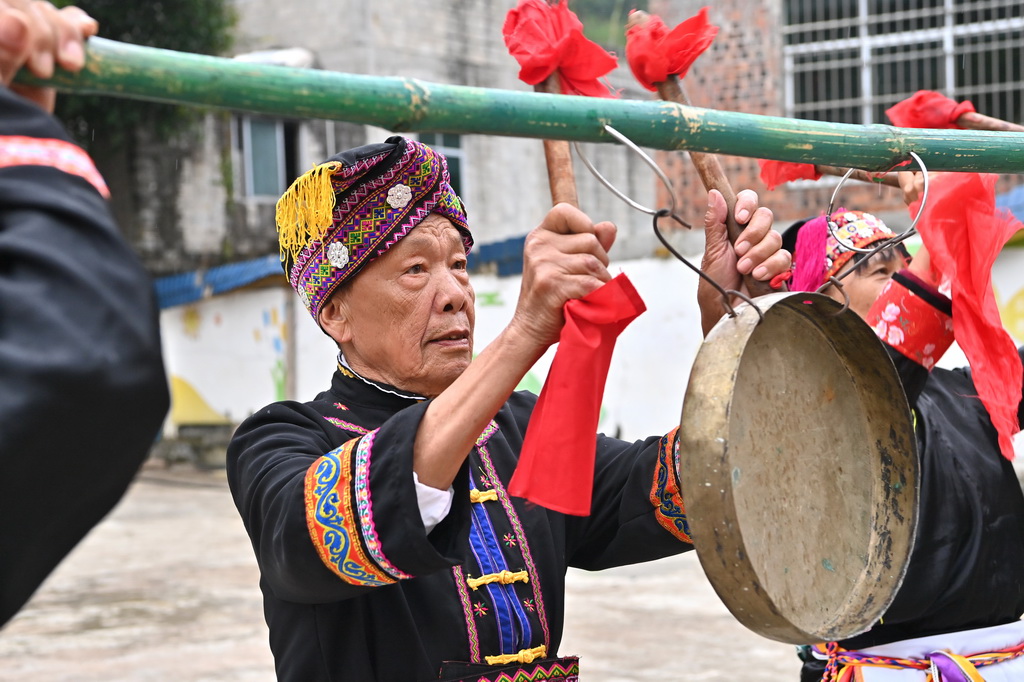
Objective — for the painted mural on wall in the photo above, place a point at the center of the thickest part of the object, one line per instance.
(272, 331)
(225, 356)
(1011, 306)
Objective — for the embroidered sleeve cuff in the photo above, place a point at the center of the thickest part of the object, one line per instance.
(16, 150)
(666, 497)
(339, 515)
(913, 318)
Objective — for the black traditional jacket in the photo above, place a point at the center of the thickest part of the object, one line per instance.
(82, 385)
(965, 570)
(355, 589)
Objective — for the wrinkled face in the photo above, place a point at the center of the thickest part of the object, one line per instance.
(407, 318)
(864, 284)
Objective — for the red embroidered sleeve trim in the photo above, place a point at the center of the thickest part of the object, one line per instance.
(911, 324)
(17, 150)
(666, 497)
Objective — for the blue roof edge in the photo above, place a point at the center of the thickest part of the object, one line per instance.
(189, 287)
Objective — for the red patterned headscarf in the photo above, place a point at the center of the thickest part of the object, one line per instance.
(355, 206)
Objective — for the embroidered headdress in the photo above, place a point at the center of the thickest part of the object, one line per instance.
(817, 255)
(355, 206)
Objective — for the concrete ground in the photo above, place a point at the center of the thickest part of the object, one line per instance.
(166, 589)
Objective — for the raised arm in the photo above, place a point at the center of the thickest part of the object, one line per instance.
(566, 257)
(910, 315)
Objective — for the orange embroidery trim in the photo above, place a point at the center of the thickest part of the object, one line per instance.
(333, 524)
(666, 497)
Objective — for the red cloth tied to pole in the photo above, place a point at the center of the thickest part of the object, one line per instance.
(964, 234)
(654, 53)
(928, 109)
(556, 466)
(545, 38)
(775, 173)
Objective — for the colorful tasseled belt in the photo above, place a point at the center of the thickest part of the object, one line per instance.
(942, 666)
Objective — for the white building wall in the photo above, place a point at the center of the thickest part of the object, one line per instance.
(203, 197)
(226, 356)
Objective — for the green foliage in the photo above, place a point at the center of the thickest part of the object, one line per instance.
(604, 21)
(198, 26)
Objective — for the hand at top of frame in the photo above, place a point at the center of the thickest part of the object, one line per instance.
(36, 35)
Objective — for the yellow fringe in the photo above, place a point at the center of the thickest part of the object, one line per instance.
(503, 577)
(523, 657)
(485, 496)
(304, 212)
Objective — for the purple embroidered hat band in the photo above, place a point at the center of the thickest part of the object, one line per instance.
(342, 214)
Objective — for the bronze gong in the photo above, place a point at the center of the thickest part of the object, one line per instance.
(799, 469)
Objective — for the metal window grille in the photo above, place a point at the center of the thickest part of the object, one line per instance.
(849, 60)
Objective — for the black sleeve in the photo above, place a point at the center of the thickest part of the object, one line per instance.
(82, 385)
(912, 375)
(329, 522)
(637, 512)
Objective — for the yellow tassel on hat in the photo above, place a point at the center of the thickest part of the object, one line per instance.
(305, 211)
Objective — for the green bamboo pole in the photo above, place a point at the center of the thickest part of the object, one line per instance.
(406, 104)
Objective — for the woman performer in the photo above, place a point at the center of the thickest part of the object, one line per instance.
(960, 604)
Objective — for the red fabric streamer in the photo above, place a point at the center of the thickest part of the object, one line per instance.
(556, 467)
(546, 38)
(775, 173)
(780, 279)
(654, 53)
(964, 234)
(928, 109)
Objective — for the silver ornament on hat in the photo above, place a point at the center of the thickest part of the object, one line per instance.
(399, 196)
(337, 254)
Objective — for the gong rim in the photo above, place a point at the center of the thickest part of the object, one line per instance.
(799, 565)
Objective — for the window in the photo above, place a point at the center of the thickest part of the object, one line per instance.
(269, 155)
(450, 146)
(848, 61)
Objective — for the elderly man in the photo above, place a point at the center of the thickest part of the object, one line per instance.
(960, 604)
(389, 546)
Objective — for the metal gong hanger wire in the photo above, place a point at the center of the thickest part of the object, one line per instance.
(883, 244)
(661, 213)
